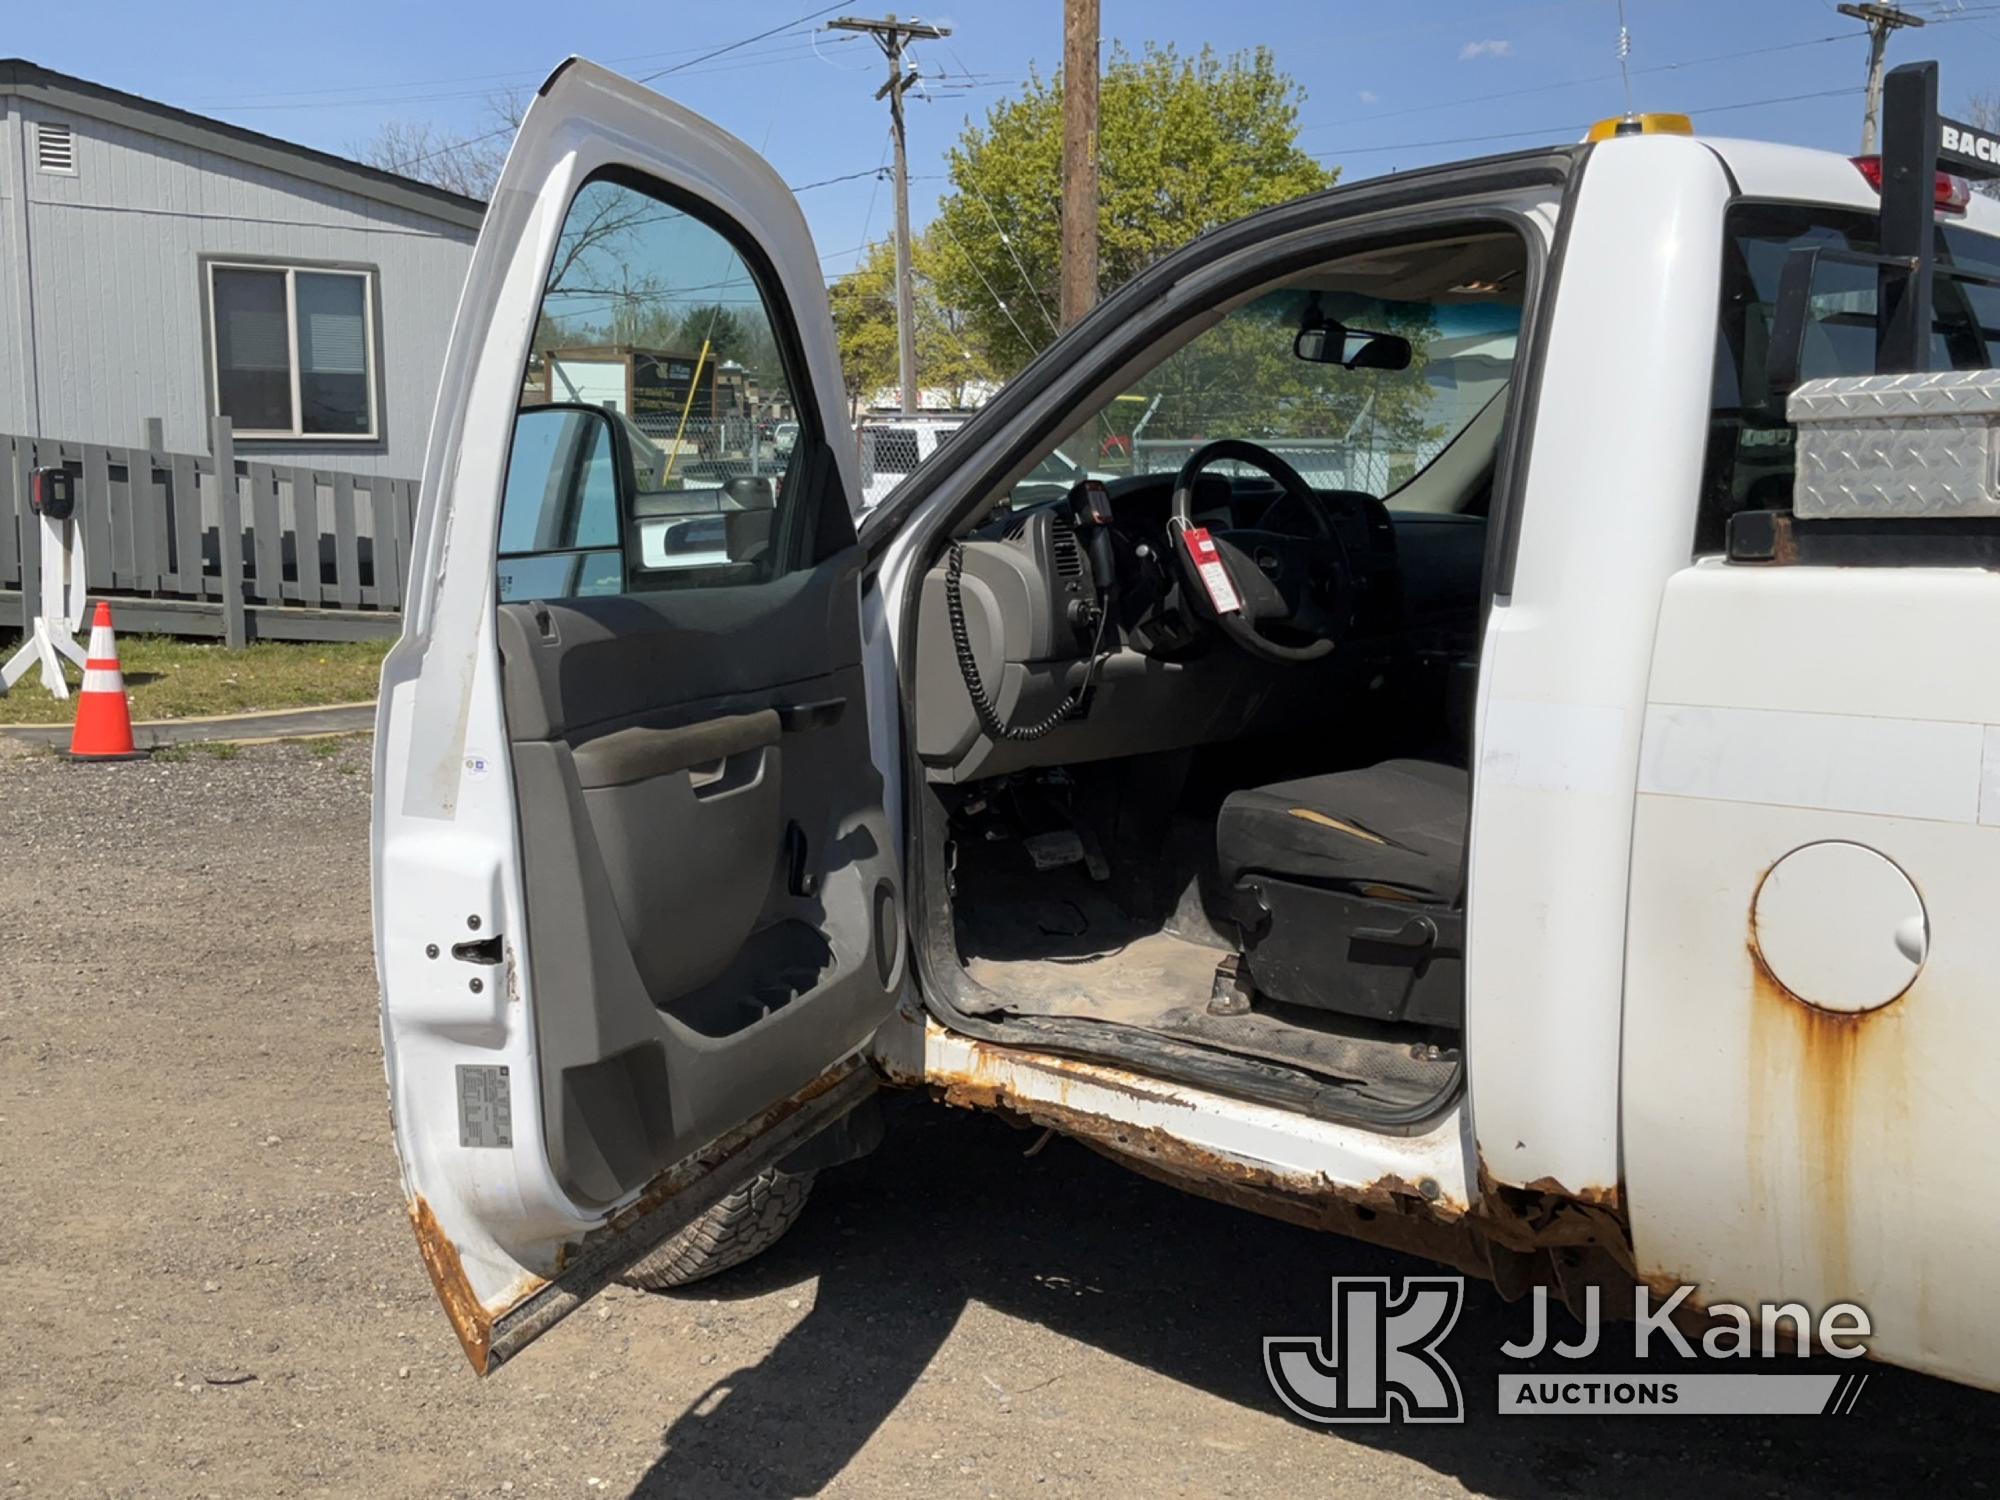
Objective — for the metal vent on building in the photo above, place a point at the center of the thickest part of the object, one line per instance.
(55, 147)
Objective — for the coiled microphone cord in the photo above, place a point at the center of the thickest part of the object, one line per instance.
(983, 707)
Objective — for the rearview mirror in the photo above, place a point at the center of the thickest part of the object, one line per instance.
(1352, 348)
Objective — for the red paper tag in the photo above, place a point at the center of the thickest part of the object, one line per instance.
(1208, 565)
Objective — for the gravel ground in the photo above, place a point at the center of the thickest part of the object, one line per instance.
(211, 1288)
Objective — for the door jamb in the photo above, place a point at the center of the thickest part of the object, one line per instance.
(1167, 295)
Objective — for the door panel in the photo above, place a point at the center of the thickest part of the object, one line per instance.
(703, 837)
(637, 906)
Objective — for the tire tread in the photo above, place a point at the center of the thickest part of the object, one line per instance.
(745, 1224)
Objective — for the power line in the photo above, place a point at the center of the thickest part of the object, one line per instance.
(647, 78)
(750, 60)
(1946, 18)
(806, 187)
(1557, 132)
(1673, 67)
(998, 300)
(773, 31)
(525, 75)
(1027, 281)
(875, 192)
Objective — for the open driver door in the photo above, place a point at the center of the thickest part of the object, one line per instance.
(637, 904)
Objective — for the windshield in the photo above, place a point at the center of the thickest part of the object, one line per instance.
(1371, 430)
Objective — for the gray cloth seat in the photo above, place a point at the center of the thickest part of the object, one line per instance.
(1395, 830)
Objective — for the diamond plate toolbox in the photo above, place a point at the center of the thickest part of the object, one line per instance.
(1875, 446)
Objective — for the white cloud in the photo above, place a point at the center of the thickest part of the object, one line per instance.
(1368, 96)
(1488, 48)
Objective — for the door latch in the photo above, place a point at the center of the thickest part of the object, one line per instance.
(484, 950)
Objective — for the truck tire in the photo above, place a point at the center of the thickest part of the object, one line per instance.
(746, 1223)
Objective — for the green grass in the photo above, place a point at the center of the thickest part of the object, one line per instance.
(175, 679)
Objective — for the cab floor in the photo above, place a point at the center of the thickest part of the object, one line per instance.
(1063, 949)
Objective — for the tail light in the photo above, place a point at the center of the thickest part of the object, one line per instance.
(1951, 195)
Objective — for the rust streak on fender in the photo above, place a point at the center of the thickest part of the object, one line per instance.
(1809, 1071)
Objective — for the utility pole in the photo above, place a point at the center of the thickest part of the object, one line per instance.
(1881, 20)
(891, 35)
(1079, 159)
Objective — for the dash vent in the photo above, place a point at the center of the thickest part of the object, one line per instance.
(1062, 544)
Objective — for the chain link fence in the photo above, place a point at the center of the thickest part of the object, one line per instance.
(1325, 464)
(708, 452)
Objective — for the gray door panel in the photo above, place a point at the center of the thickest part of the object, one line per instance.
(706, 858)
(588, 666)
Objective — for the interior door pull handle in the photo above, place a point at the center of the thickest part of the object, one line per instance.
(800, 879)
(635, 754)
(822, 714)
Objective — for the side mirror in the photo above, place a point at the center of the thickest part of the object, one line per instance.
(563, 483)
(1352, 348)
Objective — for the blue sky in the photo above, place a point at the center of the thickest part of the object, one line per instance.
(1388, 85)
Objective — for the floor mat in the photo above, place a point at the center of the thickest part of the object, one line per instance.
(1068, 951)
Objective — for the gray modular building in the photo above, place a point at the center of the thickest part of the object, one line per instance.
(156, 263)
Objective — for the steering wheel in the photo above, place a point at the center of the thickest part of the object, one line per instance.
(1291, 583)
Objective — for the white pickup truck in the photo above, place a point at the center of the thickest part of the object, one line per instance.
(1564, 859)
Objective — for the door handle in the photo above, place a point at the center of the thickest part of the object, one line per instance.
(822, 714)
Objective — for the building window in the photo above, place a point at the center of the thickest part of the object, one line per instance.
(293, 350)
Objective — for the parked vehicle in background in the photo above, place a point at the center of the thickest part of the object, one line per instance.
(1541, 850)
(893, 446)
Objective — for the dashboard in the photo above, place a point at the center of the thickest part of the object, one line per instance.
(1163, 676)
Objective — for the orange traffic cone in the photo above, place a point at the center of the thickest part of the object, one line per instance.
(103, 717)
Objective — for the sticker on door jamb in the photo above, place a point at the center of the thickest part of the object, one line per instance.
(485, 1106)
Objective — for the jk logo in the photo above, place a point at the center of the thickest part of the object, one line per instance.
(1380, 1362)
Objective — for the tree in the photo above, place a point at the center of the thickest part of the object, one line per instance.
(467, 162)
(1185, 144)
(950, 355)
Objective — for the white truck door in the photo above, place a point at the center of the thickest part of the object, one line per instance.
(637, 905)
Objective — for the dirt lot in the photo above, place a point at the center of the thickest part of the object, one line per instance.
(211, 1288)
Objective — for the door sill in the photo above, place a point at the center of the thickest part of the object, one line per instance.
(1189, 1065)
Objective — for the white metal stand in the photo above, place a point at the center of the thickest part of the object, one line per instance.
(53, 635)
